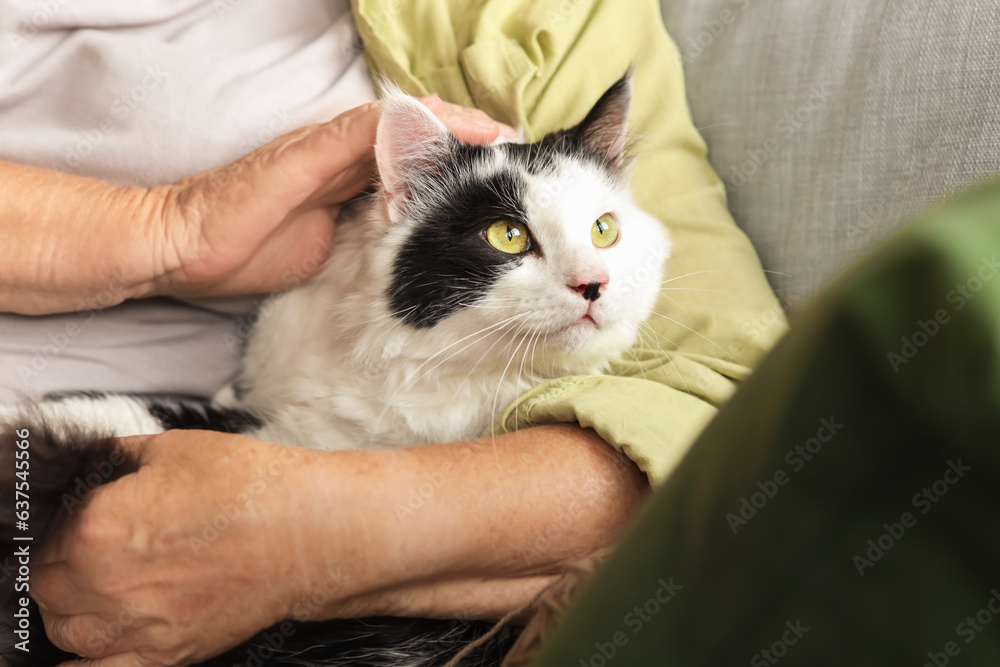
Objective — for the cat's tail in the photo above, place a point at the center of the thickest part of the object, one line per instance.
(46, 474)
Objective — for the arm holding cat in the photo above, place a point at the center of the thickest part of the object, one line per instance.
(456, 530)
(69, 242)
(472, 548)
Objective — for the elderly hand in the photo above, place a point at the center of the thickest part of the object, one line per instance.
(261, 223)
(218, 536)
(265, 221)
(195, 551)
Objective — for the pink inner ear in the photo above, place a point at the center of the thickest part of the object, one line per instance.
(408, 134)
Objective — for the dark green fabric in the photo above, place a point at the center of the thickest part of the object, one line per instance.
(897, 367)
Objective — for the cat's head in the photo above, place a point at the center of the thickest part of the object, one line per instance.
(538, 245)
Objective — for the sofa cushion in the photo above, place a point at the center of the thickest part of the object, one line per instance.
(833, 123)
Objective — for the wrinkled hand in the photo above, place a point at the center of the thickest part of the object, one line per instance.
(218, 536)
(192, 554)
(264, 222)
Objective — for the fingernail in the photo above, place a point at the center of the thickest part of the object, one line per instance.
(485, 125)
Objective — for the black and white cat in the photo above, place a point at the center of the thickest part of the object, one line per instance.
(474, 274)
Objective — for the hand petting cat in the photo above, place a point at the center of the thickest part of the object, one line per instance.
(265, 221)
(258, 224)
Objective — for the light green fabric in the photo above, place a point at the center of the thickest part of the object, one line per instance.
(542, 65)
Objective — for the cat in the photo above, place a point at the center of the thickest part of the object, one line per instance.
(473, 274)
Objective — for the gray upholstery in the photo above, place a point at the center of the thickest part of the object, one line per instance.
(897, 104)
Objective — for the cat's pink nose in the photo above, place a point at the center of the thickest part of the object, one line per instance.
(589, 287)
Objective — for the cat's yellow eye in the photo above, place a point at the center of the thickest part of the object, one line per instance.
(508, 236)
(604, 233)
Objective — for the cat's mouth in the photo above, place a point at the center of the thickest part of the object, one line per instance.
(587, 319)
(584, 318)
(574, 335)
(580, 326)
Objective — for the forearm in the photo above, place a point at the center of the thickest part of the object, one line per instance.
(70, 243)
(260, 223)
(470, 529)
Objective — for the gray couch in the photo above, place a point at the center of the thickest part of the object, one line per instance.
(833, 122)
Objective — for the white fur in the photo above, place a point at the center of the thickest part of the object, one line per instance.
(111, 415)
(331, 368)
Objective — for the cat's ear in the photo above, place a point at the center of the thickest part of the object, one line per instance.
(604, 130)
(408, 138)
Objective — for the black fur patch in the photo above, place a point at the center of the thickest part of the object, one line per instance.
(59, 396)
(64, 470)
(369, 642)
(446, 263)
(196, 413)
(372, 642)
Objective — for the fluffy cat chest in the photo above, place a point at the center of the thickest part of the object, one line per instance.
(349, 405)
